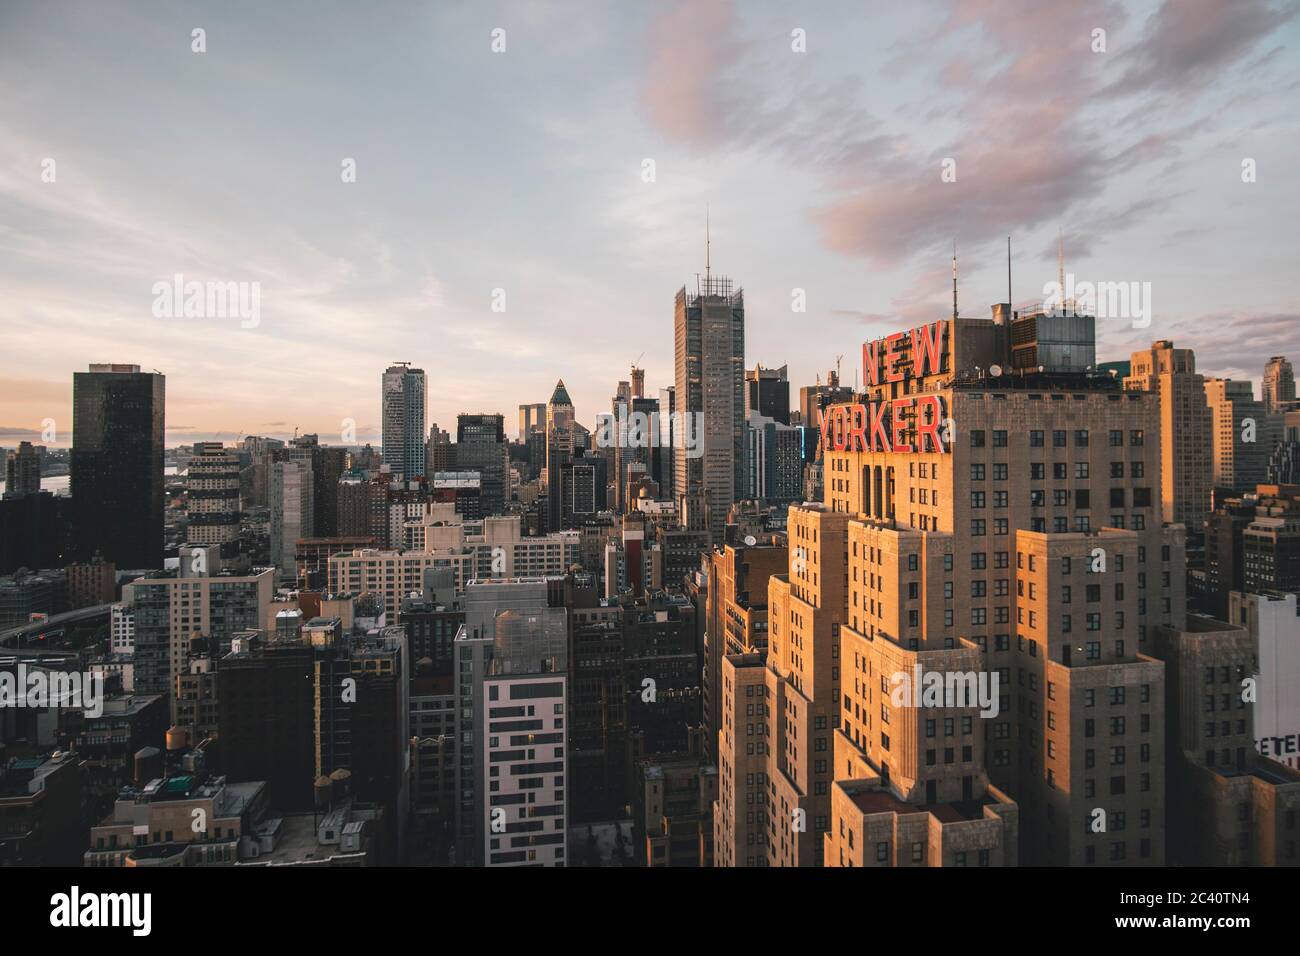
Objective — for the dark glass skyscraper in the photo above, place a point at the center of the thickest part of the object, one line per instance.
(481, 447)
(117, 464)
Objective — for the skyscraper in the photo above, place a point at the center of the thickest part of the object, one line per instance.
(709, 345)
(559, 452)
(117, 464)
(1186, 456)
(22, 470)
(293, 508)
(532, 417)
(1242, 435)
(403, 399)
(481, 447)
(212, 495)
(767, 391)
(1279, 384)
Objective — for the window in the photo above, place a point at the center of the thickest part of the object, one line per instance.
(977, 438)
(1036, 439)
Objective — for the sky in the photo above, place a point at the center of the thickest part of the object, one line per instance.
(532, 182)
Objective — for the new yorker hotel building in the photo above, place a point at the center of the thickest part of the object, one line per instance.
(1001, 515)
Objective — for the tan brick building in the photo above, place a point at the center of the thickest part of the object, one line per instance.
(1186, 428)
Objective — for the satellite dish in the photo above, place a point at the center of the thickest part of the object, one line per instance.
(750, 540)
(995, 370)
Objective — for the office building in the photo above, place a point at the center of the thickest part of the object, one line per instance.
(402, 402)
(1185, 431)
(22, 470)
(709, 370)
(117, 464)
(531, 418)
(293, 505)
(1242, 435)
(560, 447)
(767, 392)
(1278, 388)
(773, 460)
(481, 446)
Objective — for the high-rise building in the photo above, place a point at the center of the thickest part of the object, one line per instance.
(773, 460)
(709, 347)
(22, 470)
(481, 446)
(1273, 622)
(814, 398)
(292, 494)
(117, 464)
(1242, 435)
(1228, 804)
(998, 535)
(212, 495)
(511, 657)
(1278, 388)
(403, 404)
(736, 621)
(170, 609)
(1185, 430)
(532, 418)
(560, 444)
(767, 392)
(440, 454)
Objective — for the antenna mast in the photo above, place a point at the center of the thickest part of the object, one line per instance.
(708, 247)
(1060, 264)
(1008, 272)
(954, 279)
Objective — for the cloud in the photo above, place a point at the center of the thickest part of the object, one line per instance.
(1187, 44)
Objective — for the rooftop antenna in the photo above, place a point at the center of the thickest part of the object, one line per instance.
(954, 279)
(708, 246)
(1060, 263)
(1008, 272)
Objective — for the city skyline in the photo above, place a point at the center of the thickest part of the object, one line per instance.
(822, 147)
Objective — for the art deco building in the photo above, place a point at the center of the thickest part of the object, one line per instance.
(1003, 533)
(1185, 429)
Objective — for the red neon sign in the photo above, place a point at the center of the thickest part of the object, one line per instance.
(880, 426)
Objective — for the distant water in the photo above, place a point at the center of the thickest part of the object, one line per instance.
(59, 484)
